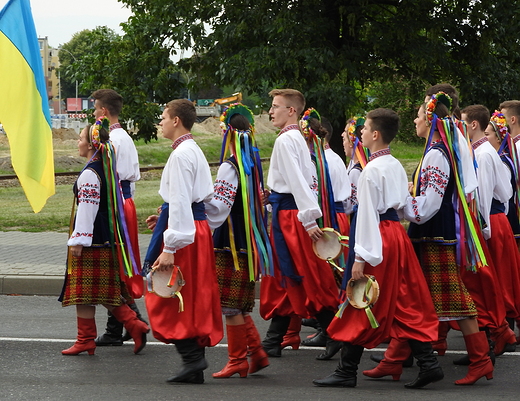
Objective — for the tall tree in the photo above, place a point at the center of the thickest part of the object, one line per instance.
(136, 66)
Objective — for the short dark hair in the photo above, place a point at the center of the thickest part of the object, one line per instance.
(385, 121)
(451, 92)
(185, 110)
(479, 113)
(109, 99)
(512, 105)
(294, 97)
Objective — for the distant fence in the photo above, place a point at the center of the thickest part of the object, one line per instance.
(74, 121)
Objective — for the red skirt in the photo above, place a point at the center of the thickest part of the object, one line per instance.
(201, 318)
(404, 309)
(317, 291)
(135, 284)
(506, 258)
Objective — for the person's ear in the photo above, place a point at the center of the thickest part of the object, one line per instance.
(513, 120)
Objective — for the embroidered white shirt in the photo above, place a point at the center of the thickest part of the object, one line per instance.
(383, 185)
(291, 171)
(186, 179)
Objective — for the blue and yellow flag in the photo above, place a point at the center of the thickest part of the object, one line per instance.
(24, 107)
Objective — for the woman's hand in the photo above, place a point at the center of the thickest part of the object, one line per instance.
(76, 250)
(265, 197)
(151, 221)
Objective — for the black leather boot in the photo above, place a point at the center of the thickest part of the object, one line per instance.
(379, 357)
(319, 340)
(113, 333)
(332, 347)
(193, 362)
(430, 370)
(134, 307)
(272, 342)
(345, 373)
(310, 323)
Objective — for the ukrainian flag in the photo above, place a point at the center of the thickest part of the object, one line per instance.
(24, 107)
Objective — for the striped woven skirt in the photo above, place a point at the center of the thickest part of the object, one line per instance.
(237, 291)
(93, 279)
(449, 294)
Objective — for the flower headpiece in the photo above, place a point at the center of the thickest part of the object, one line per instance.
(442, 97)
(236, 108)
(352, 124)
(499, 123)
(305, 121)
(101, 122)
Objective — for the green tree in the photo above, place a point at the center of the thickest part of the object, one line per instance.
(135, 66)
(331, 50)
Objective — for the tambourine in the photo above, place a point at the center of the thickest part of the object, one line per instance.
(167, 283)
(330, 245)
(363, 294)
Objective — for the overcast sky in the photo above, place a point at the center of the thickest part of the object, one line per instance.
(60, 19)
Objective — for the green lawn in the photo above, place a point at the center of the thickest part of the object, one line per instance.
(16, 214)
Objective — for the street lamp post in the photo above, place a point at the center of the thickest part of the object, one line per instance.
(76, 98)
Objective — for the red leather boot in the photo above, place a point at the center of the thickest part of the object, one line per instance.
(441, 345)
(501, 336)
(292, 337)
(87, 332)
(392, 363)
(480, 363)
(237, 352)
(257, 356)
(133, 325)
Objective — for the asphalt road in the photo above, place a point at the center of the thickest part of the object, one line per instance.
(33, 331)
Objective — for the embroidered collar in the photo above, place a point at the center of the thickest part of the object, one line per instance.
(181, 139)
(114, 126)
(476, 144)
(516, 139)
(288, 128)
(382, 152)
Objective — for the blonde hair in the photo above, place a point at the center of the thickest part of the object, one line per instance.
(293, 97)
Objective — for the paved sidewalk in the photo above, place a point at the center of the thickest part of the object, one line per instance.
(34, 263)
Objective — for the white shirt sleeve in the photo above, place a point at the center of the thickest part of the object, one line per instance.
(435, 174)
(369, 244)
(352, 201)
(468, 167)
(289, 169)
(225, 191)
(89, 196)
(181, 225)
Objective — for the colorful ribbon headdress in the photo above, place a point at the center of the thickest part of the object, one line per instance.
(119, 236)
(260, 255)
(316, 148)
(358, 150)
(470, 251)
(508, 149)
